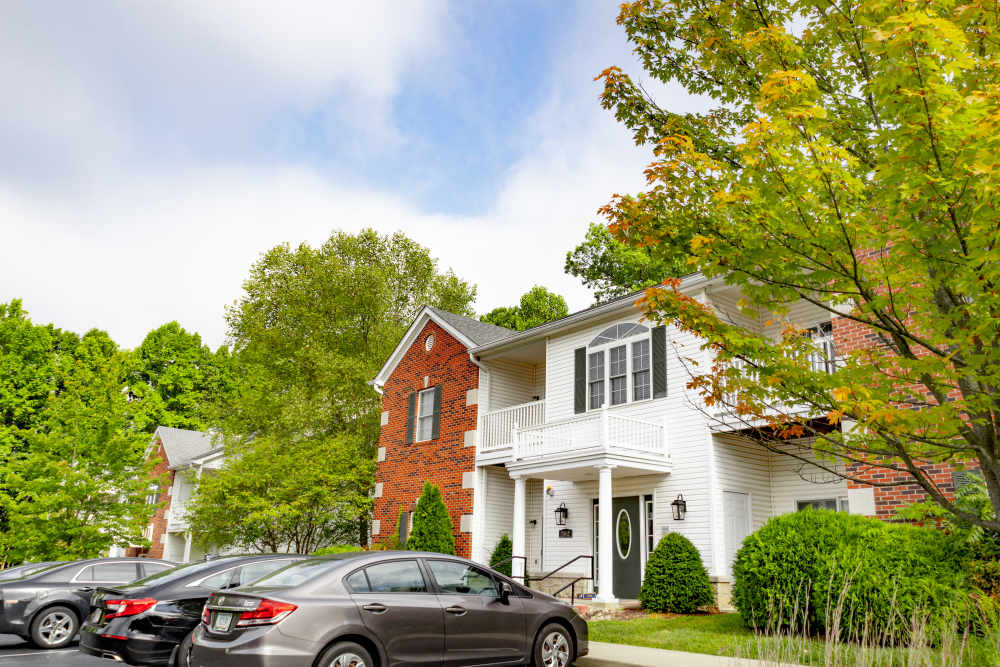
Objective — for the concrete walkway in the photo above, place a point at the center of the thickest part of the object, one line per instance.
(622, 655)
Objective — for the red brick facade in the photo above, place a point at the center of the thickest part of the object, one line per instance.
(159, 520)
(850, 336)
(442, 460)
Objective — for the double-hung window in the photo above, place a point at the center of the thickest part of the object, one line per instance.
(618, 372)
(425, 415)
(640, 370)
(595, 374)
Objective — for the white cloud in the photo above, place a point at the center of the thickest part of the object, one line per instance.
(163, 240)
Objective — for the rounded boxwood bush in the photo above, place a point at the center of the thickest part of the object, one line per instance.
(820, 571)
(503, 552)
(675, 581)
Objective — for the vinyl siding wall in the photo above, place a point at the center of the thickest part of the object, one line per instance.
(513, 383)
(498, 508)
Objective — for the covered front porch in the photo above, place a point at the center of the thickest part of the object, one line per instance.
(554, 517)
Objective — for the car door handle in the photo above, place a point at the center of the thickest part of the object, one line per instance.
(458, 611)
(375, 608)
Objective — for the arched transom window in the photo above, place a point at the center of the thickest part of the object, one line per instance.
(618, 369)
(618, 332)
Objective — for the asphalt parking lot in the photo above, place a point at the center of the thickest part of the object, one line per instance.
(16, 651)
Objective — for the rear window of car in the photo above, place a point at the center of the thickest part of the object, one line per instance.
(149, 569)
(182, 571)
(299, 572)
(251, 572)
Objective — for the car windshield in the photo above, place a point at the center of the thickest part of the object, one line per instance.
(24, 570)
(297, 573)
(181, 571)
(27, 570)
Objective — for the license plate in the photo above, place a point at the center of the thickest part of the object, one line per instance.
(95, 616)
(222, 621)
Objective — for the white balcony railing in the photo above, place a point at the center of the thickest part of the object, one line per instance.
(595, 431)
(496, 428)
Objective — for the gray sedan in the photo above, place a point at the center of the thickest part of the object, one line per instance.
(386, 608)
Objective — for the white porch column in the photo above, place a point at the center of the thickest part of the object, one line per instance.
(187, 547)
(605, 583)
(519, 538)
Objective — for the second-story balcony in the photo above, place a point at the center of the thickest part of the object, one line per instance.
(519, 435)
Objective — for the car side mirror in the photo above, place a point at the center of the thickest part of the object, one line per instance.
(506, 590)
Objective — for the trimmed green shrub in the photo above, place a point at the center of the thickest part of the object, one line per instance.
(675, 581)
(337, 549)
(820, 571)
(432, 527)
(503, 551)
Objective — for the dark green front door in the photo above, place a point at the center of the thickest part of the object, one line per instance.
(626, 548)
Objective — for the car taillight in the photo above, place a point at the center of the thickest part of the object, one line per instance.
(266, 613)
(118, 608)
(205, 614)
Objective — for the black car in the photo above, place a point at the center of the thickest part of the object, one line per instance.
(46, 607)
(149, 622)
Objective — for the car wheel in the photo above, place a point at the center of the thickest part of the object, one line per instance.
(54, 627)
(183, 658)
(346, 654)
(553, 647)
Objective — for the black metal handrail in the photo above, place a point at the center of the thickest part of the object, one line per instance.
(511, 560)
(571, 585)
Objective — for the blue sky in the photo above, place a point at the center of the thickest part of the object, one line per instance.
(150, 152)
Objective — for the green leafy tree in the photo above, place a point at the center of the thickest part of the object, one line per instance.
(537, 306)
(280, 494)
(848, 161)
(676, 580)
(613, 269)
(77, 483)
(504, 551)
(313, 327)
(432, 527)
(174, 378)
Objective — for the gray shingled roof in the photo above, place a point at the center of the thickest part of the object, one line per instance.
(182, 445)
(480, 333)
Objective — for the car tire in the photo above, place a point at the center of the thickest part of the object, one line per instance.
(183, 657)
(54, 627)
(553, 647)
(346, 654)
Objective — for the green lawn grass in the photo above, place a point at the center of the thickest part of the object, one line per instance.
(725, 634)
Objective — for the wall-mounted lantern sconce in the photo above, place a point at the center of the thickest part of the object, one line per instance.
(561, 514)
(534, 522)
(680, 507)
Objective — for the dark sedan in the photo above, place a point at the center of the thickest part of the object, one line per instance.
(386, 608)
(150, 621)
(46, 607)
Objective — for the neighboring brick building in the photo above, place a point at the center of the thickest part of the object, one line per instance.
(850, 336)
(429, 411)
(175, 449)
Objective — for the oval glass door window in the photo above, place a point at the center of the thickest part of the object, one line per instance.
(623, 528)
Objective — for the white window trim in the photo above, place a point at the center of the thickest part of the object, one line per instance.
(429, 394)
(629, 388)
(841, 502)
